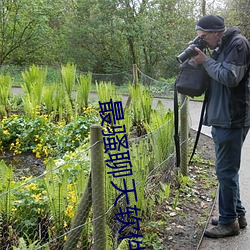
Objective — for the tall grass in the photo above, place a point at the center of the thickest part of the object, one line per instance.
(161, 128)
(68, 74)
(5, 90)
(48, 98)
(83, 91)
(107, 91)
(33, 86)
(6, 184)
(141, 103)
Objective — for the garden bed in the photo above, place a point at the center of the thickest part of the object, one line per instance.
(178, 223)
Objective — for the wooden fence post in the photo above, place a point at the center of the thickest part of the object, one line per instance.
(98, 187)
(135, 74)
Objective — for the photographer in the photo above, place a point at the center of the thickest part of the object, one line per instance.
(228, 112)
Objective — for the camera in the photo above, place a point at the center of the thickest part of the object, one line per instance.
(190, 51)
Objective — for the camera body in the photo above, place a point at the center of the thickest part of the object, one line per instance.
(190, 51)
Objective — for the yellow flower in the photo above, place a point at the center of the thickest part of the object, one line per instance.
(73, 199)
(6, 132)
(31, 187)
(37, 196)
(14, 209)
(12, 145)
(69, 211)
(45, 151)
(17, 152)
(38, 155)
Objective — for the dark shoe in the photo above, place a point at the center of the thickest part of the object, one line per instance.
(241, 219)
(221, 231)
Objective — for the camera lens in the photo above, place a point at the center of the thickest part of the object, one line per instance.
(190, 50)
(187, 53)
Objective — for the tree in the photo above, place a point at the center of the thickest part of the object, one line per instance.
(20, 22)
(237, 13)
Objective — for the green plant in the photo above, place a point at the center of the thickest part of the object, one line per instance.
(161, 132)
(165, 189)
(30, 207)
(146, 102)
(6, 196)
(56, 184)
(34, 81)
(141, 110)
(184, 181)
(48, 98)
(153, 241)
(5, 90)
(42, 136)
(176, 199)
(68, 74)
(64, 183)
(141, 157)
(107, 91)
(28, 244)
(83, 91)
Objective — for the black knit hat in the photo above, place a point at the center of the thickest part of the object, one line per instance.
(211, 23)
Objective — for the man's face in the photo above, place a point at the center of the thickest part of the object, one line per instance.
(211, 38)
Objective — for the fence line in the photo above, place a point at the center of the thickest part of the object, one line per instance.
(160, 172)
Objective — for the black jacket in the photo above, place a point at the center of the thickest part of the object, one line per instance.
(229, 90)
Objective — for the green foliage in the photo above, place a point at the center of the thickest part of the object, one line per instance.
(153, 241)
(141, 110)
(103, 36)
(43, 137)
(68, 74)
(48, 98)
(161, 126)
(107, 91)
(49, 197)
(5, 90)
(56, 183)
(29, 245)
(184, 181)
(176, 199)
(30, 206)
(6, 184)
(165, 190)
(141, 157)
(23, 25)
(83, 91)
(33, 85)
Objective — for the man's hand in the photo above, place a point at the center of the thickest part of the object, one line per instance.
(200, 58)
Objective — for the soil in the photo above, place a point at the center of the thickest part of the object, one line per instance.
(181, 222)
(25, 164)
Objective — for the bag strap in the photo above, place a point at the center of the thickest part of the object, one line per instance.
(199, 127)
(176, 126)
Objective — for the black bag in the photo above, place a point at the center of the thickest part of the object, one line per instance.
(192, 80)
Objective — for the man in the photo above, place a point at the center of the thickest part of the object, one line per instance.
(228, 112)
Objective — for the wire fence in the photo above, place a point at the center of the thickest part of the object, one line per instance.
(56, 210)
